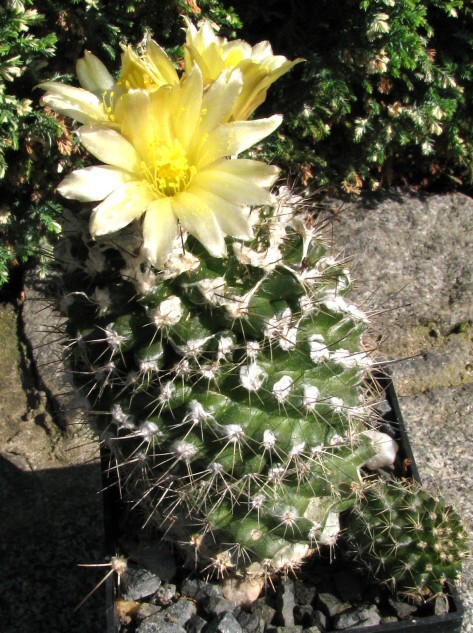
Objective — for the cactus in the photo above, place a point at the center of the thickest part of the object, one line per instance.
(407, 538)
(228, 390)
(210, 330)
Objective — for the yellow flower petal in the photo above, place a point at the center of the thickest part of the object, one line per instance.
(232, 138)
(92, 183)
(159, 230)
(231, 188)
(188, 106)
(252, 170)
(93, 74)
(110, 147)
(196, 217)
(219, 100)
(122, 206)
(77, 103)
(160, 64)
(232, 218)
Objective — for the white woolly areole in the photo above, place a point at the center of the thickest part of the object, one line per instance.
(225, 346)
(213, 290)
(297, 449)
(288, 339)
(193, 347)
(179, 262)
(290, 555)
(121, 419)
(386, 449)
(232, 432)
(307, 306)
(114, 340)
(267, 259)
(252, 349)
(197, 413)
(149, 431)
(318, 349)
(183, 451)
(269, 439)
(167, 313)
(350, 360)
(311, 395)
(252, 376)
(166, 393)
(331, 530)
(336, 404)
(101, 297)
(282, 388)
(337, 303)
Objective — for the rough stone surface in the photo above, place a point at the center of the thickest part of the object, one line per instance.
(413, 258)
(416, 251)
(49, 484)
(225, 623)
(141, 583)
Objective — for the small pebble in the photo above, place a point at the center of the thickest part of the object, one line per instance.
(333, 606)
(199, 589)
(224, 623)
(441, 605)
(165, 594)
(195, 624)
(155, 627)
(215, 605)
(249, 621)
(402, 609)
(285, 603)
(141, 584)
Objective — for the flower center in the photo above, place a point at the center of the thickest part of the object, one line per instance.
(168, 171)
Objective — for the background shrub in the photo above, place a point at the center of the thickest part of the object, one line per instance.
(384, 96)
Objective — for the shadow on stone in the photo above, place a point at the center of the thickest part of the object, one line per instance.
(51, 520)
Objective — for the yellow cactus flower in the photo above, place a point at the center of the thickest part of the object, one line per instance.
(99, 98)
(171, 165)
(214, 55)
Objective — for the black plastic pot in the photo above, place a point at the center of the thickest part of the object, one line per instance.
(405, 466)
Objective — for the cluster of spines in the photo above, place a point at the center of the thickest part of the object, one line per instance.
(229, 390)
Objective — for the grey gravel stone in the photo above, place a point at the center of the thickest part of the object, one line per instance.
(181, 611)
(332, 605)
(195, 624)
(215, 605)
(285, 602)
(165, 594)
(304, 614)
(249, 621)
(141, 583)
(264, 611)
(199, 589)
(304, 592)
(416, 251)
(320, 619)
(441, 605)
(146, 610)
(224, 623)
(155, 627)
(358, 618)
(403, 610)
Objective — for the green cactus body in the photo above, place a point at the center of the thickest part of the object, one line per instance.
(228, 389)
(407, 538)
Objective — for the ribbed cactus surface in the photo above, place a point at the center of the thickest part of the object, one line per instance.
(407, 538)
(227, 389)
